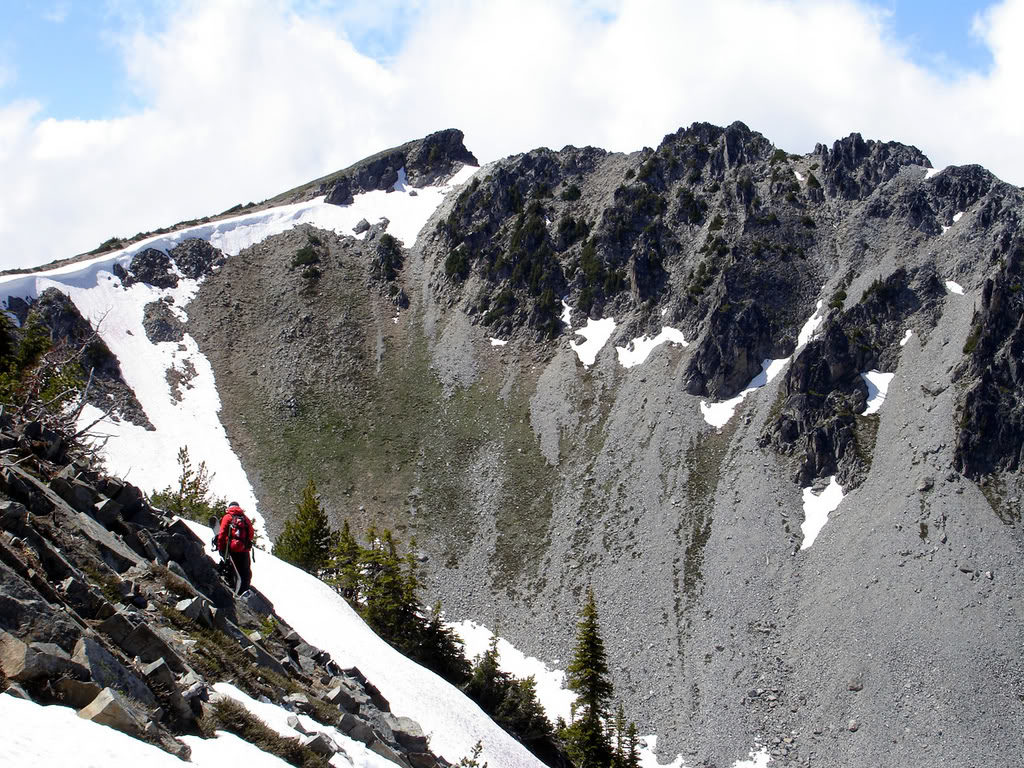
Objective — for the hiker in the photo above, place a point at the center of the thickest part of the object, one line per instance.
(234, 542)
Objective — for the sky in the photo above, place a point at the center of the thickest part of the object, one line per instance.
(120, 116)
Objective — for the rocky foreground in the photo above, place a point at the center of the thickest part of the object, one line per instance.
(112, 607)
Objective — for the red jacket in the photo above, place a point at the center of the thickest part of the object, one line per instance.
(241, 541)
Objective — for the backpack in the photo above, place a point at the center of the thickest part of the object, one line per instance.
(238, 530)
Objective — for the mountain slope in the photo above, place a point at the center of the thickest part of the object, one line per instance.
(528, 470)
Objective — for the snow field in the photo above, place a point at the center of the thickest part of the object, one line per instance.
(817, 508)
(877, 384)
(906, 337)
(954, 287)
(453, 723)
(498, 342)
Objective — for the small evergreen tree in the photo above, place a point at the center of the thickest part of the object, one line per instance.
(306, 540)
(192, 499)
(632, 749)
(586, 740)
(487, 684)
(344, 570)
(619, 755)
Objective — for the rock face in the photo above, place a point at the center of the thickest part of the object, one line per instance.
(65, 325)
(135, 641)
(524, 476)
(425, 162)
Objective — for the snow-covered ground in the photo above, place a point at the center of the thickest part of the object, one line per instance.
(595, 333)
(639, 349)
(877, 384)
(906, 337)
(191, 416)
(817, 507)
(954, 287)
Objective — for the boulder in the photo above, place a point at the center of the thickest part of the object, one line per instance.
(161, 324)
(298, 702)
(148, 646)
(198, 609)
(76, 493)
(112, 709)
(108, 672)
(106, 511)
(295, 724)
(385, 751)
(161, 678)
(347, 697)
(320, 743)
(24, 663)
(77, 693)
(117, 627)
(407, 732)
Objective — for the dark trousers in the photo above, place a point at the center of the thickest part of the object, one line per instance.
(244, 569)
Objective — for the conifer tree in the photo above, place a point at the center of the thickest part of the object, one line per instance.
(586, 740)
(619, 755)
(306, 540)
(192, 499)
(344, 568)
(632, 751)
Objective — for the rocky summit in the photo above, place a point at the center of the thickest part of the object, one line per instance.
(767, 405)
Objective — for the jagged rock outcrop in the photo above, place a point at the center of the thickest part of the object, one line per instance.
(161, 323)
(425, 161)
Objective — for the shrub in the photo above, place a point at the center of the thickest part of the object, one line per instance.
(192, 499)
(305, 256)
(571, 193)
(716, 223)
(807, 221)
(456, 264)
(812, 181)
(778, 156)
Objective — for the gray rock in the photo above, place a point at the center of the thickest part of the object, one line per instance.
(110, 708)
(852, 726)
(361, 226)
(198, 609)
(320, 743)
(23, 663)
(298, 702)
(108, 672)
(161, 324)
(295, 724)
(77, 693)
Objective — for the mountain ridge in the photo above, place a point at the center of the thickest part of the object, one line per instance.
(525, 473)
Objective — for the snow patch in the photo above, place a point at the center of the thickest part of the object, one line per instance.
(817, 508)
(596, 333)
(906, 337)
(799, 176)
(957, 216)
(718, 414)
(933, 172)
(566, 314)
(954, 287)
(758, 759)
(809, 327)
(878, 384)
(276, 718)
(638, 350)
(400, 185)
(551, 691)
(498, 342)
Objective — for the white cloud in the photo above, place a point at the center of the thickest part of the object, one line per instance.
(58, 13)
(246, 99)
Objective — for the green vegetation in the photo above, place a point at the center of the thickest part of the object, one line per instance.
(306, 539)
(305, 256)
(32, 369)
(192, 499)
(808, 222)
(571, 193)
(838, 299)
(716, 223)
(778, 156)
(587, 741)
(456, 264)
(229, 715)
(812, 180)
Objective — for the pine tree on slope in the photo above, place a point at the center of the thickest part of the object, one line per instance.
(586, 741)
(306, 540)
